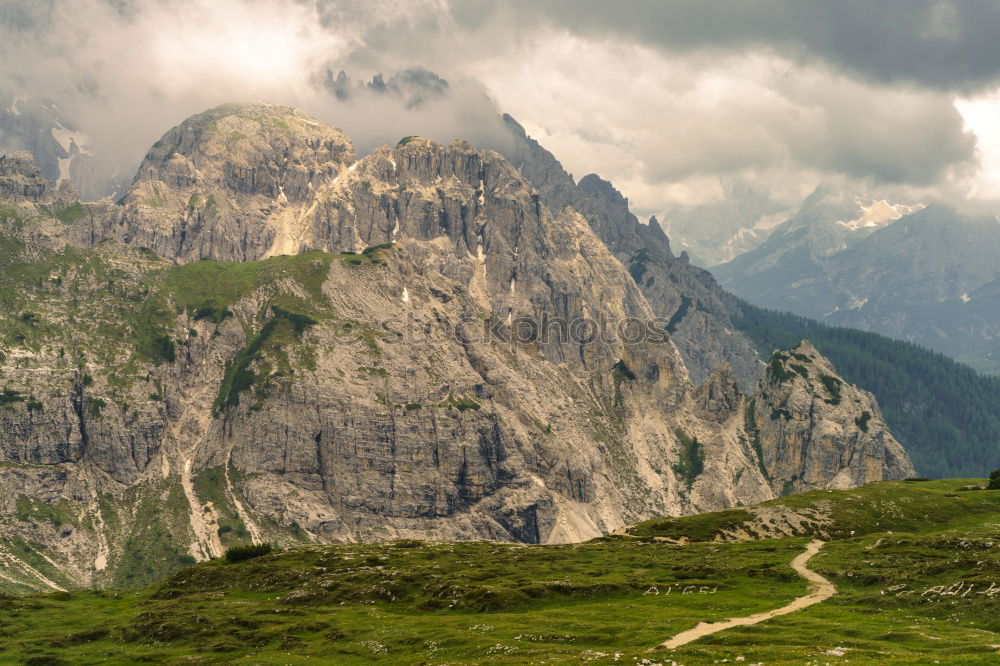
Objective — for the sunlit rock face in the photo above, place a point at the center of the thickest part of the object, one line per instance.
(268, 339)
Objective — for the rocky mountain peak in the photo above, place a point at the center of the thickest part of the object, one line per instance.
(719, 395)
(808, 419)
(355, 376)
(687, 297)
(242, 150)
(21, 179)
(597, 186)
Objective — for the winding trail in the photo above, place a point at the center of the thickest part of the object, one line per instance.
(820, 589)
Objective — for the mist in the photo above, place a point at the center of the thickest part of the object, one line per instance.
(123, 74)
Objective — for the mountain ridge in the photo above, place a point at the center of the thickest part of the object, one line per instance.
(331, 394)
(923, 278)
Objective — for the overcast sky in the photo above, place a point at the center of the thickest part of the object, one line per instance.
(669, 100)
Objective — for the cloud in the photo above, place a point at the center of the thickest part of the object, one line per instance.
(672, 129)
(944, 44)
(670, 100)
(124, 73)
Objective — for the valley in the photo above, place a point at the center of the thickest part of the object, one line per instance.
(452, 333)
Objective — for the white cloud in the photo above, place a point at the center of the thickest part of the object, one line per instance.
(668, 129)
(667, 126)
(982, 116)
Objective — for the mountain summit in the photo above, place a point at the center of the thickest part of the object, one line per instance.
(270, 340)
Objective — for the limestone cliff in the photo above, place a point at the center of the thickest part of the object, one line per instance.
(816, 431)
(695, 309)
(270, 340)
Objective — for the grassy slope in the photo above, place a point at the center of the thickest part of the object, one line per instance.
(411, 602)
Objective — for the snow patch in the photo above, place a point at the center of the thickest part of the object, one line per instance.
(281, 195)
(69, 140)
(406, 295)
(67, 137)
(63, 169)
(879, 214)
(12, 109)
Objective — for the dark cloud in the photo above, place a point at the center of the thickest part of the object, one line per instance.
(668, 99)
(943, 44)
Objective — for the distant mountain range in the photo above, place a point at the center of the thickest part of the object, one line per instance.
(720, 230)
(924, 274)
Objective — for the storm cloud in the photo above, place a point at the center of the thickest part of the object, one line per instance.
(949, 45)
(673, 101)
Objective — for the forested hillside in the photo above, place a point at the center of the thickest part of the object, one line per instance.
(944, 413)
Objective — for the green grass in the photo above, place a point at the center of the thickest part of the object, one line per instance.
(72, 213)
(901, 506)
(702, 527)
(210, 486)
(249, 370)
(152, 532)
(414, 602)
(61, 513)
(404, 602)
(207, 289)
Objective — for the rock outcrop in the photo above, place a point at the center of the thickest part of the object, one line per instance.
(21, 182)
(815, 430)
(412, 344)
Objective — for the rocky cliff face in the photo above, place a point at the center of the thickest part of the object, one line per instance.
(693, 307)
(816, 431)
(411, 344)
(22, 182)
(59, 149)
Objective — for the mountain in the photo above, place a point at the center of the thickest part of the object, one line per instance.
(913, 559)
(61, 151)
(927, 277)
(945, 411)
(268, 339)
(719, 230)
(695, 310)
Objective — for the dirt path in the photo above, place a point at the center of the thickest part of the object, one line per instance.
(820, 589)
